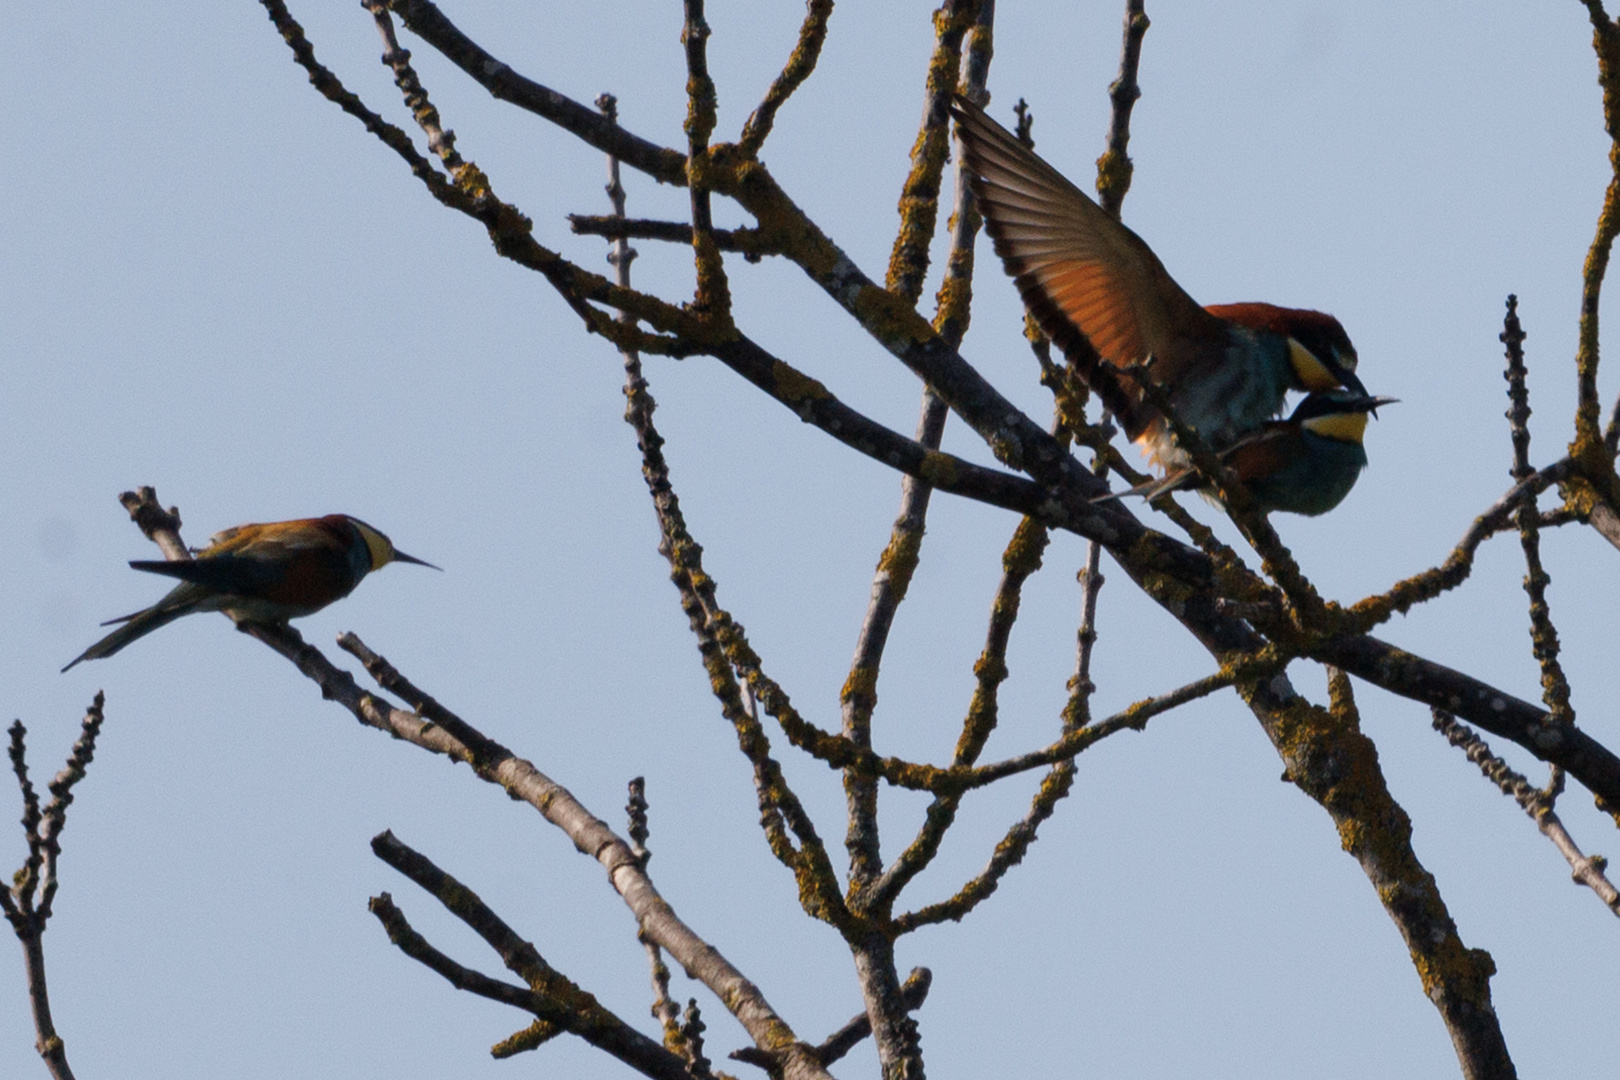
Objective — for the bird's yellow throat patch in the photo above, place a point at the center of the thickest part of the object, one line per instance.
(1313, 374)
(1345, 427)
(382, 551)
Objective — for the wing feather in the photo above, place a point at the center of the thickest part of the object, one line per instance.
(1081, 272)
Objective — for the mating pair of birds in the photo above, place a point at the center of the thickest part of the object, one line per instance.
(1091, 284)
(1100, 294)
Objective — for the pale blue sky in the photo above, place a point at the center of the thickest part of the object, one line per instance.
(213, 281)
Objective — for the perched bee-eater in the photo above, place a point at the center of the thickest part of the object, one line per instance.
(261, 573)
(1085, 277)
(1305, 464)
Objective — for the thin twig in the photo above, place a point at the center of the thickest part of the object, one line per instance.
(780, 808)
(1021, 558)
(440, 141)
(1114, 168)
(712, 301)
(1543, 635)
(750, 243)
(27, 902)
(1585, 870)
(1459, 563)
(1606, 42)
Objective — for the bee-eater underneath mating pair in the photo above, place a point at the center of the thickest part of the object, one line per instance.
(1085, 278)
(261, 573)
(1305, 464)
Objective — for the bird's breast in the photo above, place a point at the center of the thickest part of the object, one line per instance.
(308, 581)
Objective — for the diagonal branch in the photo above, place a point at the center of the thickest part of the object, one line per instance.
(812, 35)
(554, 998)
(1534, 801)
(424, 19)
(1325, 753)
(780, 808)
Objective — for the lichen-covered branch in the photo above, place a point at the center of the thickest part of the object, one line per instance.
(1326, 755)
(1114, 168)
(1543, 635)
(900, 556)
(919, 199)
(712, 301)
(812, 35)
(1606, 43)
(780, 809)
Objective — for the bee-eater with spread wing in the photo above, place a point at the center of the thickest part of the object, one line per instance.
(1305, 464)
(261, 573)
(1086, 278)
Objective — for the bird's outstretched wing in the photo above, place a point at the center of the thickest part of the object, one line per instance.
(1081, 272)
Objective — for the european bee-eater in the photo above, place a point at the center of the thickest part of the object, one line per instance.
(261, 573)
(1085, 277)
(1305, 464)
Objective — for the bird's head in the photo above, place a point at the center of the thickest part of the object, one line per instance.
(1319, 351)
(1340, 415)
(381, 548)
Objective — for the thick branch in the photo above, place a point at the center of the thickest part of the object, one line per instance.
(425, 20)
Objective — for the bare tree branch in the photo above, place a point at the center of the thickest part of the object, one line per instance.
(551, 996)
(425, 20)
(749, 243)
(26, 903)
(1114, 167)
(1533, 801)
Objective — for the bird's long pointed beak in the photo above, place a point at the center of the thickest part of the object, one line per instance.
(1374, 404)
(400, 556)
(1348, 380)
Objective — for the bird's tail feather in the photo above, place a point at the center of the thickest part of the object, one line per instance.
(1176, 480)
(135, 626)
